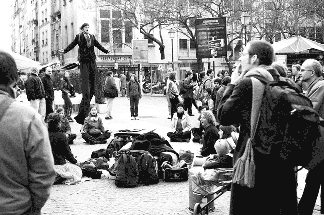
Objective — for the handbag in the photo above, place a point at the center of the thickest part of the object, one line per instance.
(244, 167)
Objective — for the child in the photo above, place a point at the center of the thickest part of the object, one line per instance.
(93, 131)
(65, 126)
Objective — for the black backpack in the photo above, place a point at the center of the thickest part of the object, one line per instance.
(288, 126)
(126, 171)
(148, 169)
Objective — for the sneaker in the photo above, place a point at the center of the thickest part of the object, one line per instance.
(108, 117)
(136, 118)
(133, 118)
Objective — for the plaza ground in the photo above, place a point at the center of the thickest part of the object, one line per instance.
(101, 196)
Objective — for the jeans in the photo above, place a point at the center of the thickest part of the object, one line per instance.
(40, 106)
(109, 106)
(134, 100)
(67, 104)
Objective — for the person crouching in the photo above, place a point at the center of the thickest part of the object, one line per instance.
(93, 131)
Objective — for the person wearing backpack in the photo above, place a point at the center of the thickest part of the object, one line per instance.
(274, 188)
(313, 83)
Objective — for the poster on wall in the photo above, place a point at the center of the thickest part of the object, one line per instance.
(282, 59)
(140, 51)
(211, 37)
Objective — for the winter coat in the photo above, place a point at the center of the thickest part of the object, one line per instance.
(93, 125)
(188, 89)
(185, 122)
(271, 175)
(85, 53)
(27, 166)
(48, 87)
(61, 149)
(133, 89)
(34, 87)
(111, 90)
(315, 93)
(65, 86)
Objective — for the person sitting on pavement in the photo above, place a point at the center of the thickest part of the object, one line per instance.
(198, 132)
(93, 131)
(181, 126)
(65, 126)
(210, 135)
(61, 151)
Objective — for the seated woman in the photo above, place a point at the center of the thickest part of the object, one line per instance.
(181, 126)
(224, 147)
(62, 152)
(210, 135)
(65, 126)
(207, 99)
(93, 131)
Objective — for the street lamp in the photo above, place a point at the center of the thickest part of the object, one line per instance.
(171, 35)
(245, 19)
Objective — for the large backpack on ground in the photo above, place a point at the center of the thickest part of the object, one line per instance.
(116, 144)
(126, 171)
(288, 126)
(148, 169)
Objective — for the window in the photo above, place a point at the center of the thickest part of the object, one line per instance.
(116, 14)
(116, 23)
(42, 17)
(72, 31)
(66, 34)
(183, 44)
(45, 37)
(117, 37)
(150, 41)
(45, 15)
(192, 22)
(42, 38)
(128, 32)
(105, 31)
(192, 44)
(105, 14)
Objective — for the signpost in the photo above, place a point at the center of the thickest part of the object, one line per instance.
(211, 37)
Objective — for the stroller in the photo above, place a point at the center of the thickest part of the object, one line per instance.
(218, 184)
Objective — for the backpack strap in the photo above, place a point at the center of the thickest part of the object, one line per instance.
(5, 104)
(257, 94)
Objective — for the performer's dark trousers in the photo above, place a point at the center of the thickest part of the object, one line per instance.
(88, 71)
(314, 180)
(49, 107)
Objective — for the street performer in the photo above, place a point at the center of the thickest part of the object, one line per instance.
(88, 67)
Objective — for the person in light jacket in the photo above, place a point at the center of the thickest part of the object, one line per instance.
(181, 126)
(27, 166)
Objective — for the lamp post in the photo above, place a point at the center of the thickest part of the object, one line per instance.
(245, 19)
(171, 35)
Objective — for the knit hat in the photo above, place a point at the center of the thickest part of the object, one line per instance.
(84, 25)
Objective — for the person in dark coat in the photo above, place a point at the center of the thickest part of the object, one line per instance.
(88, 67)
(60, 148)
(187, 93)
(210, 135)
(111, 92)
(35, 92)
(134, 94)
(49, 91)
(274, 191)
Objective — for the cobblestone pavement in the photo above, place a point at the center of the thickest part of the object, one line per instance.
(101, 196)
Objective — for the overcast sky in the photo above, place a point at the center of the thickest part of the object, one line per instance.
(5, 19)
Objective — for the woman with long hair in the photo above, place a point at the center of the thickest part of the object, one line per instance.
(65, 88)
(210, 135)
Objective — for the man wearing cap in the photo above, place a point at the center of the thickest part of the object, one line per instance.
(88, 67)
